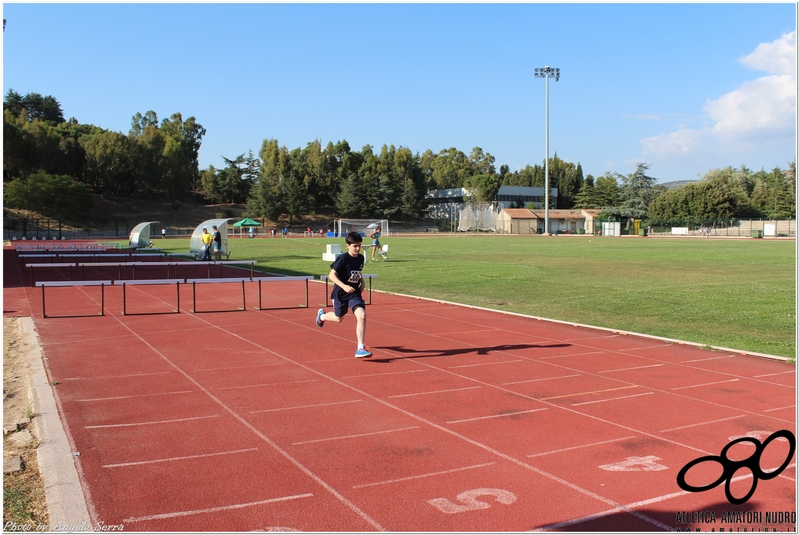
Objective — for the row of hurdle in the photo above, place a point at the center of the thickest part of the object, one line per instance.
(193, 282)
(72, 269)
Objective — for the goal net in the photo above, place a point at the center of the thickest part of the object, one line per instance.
(364, 227)
(481, 217)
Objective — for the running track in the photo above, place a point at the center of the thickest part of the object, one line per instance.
(465, 419)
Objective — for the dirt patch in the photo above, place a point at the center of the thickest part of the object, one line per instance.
(24, 502)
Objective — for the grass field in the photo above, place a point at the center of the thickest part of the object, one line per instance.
(738, 294)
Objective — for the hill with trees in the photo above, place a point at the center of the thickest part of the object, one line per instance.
(54, 165)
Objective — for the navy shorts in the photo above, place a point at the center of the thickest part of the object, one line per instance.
(340, 307)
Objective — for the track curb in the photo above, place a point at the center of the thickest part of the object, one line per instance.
(66, 505)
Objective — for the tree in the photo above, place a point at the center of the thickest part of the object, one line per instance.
(109, 165)
(587, 196)
(450, 169)
(37, 107)
(56, 196)
(636, 193)
(482, 189)
(349, 202)
(606, 189)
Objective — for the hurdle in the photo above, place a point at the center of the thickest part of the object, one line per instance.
(194, 282)
(306, 278)
(51, 265)
(101, 284)
(364, 275)
(125, 283)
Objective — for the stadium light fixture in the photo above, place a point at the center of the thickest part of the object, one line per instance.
(547, 72)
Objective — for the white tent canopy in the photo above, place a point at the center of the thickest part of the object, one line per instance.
(196, 243)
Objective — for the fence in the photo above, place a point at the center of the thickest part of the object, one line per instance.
(769, 228)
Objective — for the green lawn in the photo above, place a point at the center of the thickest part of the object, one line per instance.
(730, 293)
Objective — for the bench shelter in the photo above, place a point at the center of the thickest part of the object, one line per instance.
(140, 235)
(196, 243)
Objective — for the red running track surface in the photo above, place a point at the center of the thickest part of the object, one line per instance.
(464, 419)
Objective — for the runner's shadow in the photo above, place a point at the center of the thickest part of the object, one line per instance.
(408, 353)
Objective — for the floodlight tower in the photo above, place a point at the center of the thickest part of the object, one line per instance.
(547, 72)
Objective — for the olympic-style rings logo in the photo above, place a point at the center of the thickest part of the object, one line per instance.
(730, 467)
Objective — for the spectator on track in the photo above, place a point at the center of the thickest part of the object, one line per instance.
(346, 274)
(163, 233)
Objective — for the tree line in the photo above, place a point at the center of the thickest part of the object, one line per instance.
(46, 157)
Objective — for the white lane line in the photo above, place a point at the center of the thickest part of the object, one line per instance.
(355, 436)
(307, 406)
(139, 396)
(542, 379)
(773, 374)
(496, 416)
(379, 374)
(420, 476)
(780, 408)
(102, 377)
(573, 355)
(266, 384)
(240, 367)
(709, 358)
(152, 423)
(644, 347)
(702, 423)
(469, 332)
(634, 368)
(580, 447)
(611, 399)
(706, 384)
(183, 458)
(213, 509)
(434, 392)
(486, 364)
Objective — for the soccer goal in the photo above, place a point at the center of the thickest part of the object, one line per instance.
(364, 227)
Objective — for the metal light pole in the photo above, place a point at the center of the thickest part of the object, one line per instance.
(546, 72)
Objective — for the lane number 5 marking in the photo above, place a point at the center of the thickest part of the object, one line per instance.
(470, 501)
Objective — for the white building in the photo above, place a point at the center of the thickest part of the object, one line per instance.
(442, 199)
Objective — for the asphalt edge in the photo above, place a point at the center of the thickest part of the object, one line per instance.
(66, 506)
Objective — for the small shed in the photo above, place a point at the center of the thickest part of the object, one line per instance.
(140, 235)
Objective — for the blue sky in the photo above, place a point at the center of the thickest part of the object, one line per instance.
(683, 87)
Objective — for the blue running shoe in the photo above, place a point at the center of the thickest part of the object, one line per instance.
(363, 353)
(319, 321)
